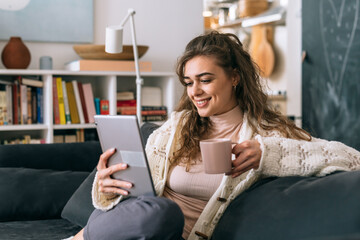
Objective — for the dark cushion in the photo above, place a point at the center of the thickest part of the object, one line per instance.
(57, 156)
(295, 208)
(30, 194)
(79, 207)
(38, 230)
(146, 129)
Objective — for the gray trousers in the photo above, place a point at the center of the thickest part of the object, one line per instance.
(138, 218)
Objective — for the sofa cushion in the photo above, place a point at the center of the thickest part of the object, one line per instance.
(37, 230)
(79, 207)
(295, 208)
(30, 194)
(56, 156)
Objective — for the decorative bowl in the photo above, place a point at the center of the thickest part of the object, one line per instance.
(91, 51)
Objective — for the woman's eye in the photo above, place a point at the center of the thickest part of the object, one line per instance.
(206, 80)
(187, 84)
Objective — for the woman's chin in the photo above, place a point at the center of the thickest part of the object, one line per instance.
(204, 113)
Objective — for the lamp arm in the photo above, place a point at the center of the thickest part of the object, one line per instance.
(131, 12)
(139, 80)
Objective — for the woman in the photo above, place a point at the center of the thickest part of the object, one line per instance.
(223, 98)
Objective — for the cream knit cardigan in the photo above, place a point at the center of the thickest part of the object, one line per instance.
(280, 157)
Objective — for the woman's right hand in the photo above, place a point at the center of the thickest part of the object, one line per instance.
(106, 183)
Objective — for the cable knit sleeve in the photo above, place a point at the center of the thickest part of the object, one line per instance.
(288, 157)
(103, 201)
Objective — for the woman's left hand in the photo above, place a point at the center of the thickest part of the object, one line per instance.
(248, 155)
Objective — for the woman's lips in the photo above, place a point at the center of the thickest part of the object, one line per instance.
(202, 103)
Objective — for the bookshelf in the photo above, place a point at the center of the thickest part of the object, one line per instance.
(105, 86)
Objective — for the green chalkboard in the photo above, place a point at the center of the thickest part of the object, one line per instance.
(331, 69)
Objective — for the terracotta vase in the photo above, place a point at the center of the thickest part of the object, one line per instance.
(15, 54)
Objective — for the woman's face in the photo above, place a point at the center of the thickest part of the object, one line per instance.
(209, 87)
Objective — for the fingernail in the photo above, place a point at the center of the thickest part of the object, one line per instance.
(124, 165)
(129, 185)
(113, 149)
(125, 193)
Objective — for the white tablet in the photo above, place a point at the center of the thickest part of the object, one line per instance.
(123, 133)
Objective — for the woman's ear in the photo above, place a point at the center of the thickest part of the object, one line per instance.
(235, 78)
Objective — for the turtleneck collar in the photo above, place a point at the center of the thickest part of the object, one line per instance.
(234, 117)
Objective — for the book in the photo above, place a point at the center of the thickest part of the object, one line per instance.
(107, 65)
(89, 101)
(15, 102)
(126, 103)
(9, 103)
(5, 82)
(78, 101)
(145, 110)
(83, 104)
(66, 103)
(40, 105)
(125, 95)
(97, 105)
(74, 115)
(60, 100)
(56, 113)
(23, 104)
(59, 138)
(34, 107)
(152, 118)
(31, 82)
(104, 107)
(70, 138)
(3, 112)
(29, 105)
(80, 137)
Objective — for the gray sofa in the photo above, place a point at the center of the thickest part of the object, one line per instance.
(45, 194)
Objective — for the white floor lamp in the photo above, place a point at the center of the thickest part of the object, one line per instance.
(114, 44)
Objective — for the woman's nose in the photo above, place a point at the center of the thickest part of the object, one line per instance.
(196, 89)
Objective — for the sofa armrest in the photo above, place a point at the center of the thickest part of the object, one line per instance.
(57, 156)
(295, 208)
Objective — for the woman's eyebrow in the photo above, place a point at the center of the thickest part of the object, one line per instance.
(200, 75)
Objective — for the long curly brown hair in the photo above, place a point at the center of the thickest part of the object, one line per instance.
(229, 53)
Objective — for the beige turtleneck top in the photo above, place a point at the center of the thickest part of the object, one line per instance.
(191, 190)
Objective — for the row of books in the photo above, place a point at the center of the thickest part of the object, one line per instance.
(21, 101)
(148, 113)
(74, 102)
(75, 135)
(25, 140)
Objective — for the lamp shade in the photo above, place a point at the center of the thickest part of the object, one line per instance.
(113, 39)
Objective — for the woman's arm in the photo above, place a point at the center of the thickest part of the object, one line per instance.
(288, 157)
(106, 191)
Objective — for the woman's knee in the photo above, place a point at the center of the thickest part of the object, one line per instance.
(164, 218)
(138, 218)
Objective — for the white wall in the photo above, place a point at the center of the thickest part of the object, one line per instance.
(293, 56)
(278, 78)
(166, 26)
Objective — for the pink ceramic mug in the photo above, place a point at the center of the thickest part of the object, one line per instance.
(216, 155)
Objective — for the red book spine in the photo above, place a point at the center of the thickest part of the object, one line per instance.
(82, 99)
(126, 103)
(104, 107)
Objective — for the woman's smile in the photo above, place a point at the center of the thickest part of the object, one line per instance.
(209, 87)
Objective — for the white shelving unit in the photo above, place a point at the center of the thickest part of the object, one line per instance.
(105, 86)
